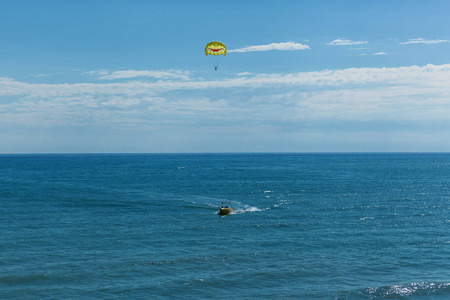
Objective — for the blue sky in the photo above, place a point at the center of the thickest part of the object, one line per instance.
(299, 76)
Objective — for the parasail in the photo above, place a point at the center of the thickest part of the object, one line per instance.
(216, 48)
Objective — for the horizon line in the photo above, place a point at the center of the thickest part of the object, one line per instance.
(227, 153)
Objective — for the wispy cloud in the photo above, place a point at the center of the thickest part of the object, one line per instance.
(288, 46)
(43, 75)
(413, 92)
(126, 74)
(377, 53)
(346, 42)
(244, 74)
(424, 41)
(354, 76)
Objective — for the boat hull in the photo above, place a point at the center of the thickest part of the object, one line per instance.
(225, 211)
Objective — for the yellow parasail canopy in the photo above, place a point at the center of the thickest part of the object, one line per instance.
(216, 48)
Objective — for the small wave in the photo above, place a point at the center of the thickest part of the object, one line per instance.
(248, 209)
(405, 290)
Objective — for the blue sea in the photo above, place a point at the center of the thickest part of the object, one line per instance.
(145, 226)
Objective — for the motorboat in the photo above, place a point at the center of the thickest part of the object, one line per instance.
(225, 210)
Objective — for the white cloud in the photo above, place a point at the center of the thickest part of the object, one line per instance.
(43, 75)
(274, 46)
(378, 53)
(407, 93)
(429, 74)
(244, 74)
(346, 42)
(424, 41)
(124, 74)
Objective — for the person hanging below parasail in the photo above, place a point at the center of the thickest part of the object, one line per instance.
(216, 48)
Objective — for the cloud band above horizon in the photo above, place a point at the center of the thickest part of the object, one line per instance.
(424, 41)
(288, 46)
(341, 94)
(346, 42)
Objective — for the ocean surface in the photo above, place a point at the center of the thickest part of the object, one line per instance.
(305, 226)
